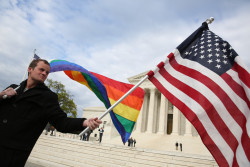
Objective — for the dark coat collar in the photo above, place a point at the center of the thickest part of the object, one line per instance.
(39, 88)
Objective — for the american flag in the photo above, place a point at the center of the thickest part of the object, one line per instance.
(205, 79)
(35, 57)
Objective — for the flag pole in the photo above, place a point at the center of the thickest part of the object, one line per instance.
(117, 102)
(25, 74)
(210, 20)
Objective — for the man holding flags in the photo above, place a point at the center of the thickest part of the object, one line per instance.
(27, 110)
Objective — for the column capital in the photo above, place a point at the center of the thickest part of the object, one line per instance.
(152, 89)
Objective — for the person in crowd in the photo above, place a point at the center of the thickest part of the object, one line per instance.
(131, 142)
(52, 128)
(134, 142)
(176, 145)
(47, 128)
(85, 135)
(101, 130)
(89, 133)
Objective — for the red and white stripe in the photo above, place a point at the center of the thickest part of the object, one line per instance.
(217, 106)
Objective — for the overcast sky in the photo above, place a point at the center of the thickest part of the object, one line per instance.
(115, 38)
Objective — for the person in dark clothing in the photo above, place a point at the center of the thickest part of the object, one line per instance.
(47, 128)
(176, 145)
(89, 132)
(85, 135)
(129, 142)
(25, 113)
(134, 142)
(52, 129)
(100, 134)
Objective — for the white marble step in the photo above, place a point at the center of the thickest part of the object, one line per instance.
(70, 152)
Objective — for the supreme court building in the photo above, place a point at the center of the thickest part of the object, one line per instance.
(159, 123)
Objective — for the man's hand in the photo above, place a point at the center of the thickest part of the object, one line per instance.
(8, 92)
(92, 123)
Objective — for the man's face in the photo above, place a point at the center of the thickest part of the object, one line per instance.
(40, 72)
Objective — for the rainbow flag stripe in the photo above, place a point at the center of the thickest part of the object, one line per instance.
(83, 76)
(125, 114)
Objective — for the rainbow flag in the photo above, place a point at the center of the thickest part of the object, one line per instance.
(125, 114)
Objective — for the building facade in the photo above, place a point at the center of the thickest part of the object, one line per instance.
(158, 115)
(160, 125)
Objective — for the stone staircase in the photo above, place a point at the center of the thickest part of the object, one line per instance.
(51, 151)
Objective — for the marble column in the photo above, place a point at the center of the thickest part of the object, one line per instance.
(188, 130)
(145, 113)
(166, 118)
(151, 111)
(175, 121)
(162, 115)
(142, 112)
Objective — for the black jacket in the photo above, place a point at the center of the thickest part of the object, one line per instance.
(23, 117)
